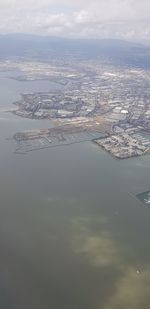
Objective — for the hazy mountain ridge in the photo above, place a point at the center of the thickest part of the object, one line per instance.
(33, 46)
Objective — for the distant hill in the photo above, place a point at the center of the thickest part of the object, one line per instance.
(44, 48)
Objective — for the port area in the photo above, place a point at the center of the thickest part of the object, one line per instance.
(144, 198)
(130, 142)
(122, 146)
(28, 141)
(93, 96)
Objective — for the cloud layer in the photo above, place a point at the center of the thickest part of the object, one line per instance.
(124, 19)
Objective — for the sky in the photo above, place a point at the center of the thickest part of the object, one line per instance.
(120, 19)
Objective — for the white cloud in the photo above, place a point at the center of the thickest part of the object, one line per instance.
(100, 18)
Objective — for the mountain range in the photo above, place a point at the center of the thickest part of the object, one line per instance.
(44, 48)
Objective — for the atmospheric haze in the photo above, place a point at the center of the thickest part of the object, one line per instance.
(121, 19)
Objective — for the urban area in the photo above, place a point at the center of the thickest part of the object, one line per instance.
(94, 100)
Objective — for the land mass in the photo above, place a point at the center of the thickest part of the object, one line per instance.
(98, 98)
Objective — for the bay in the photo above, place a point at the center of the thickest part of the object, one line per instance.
(72, 232)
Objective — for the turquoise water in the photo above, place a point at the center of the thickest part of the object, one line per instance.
(72, 232)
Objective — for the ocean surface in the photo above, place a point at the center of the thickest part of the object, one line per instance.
(73, 235)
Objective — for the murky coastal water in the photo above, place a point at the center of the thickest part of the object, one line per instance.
(72, 232)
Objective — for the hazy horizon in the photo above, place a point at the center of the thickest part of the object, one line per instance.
(113, 19)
